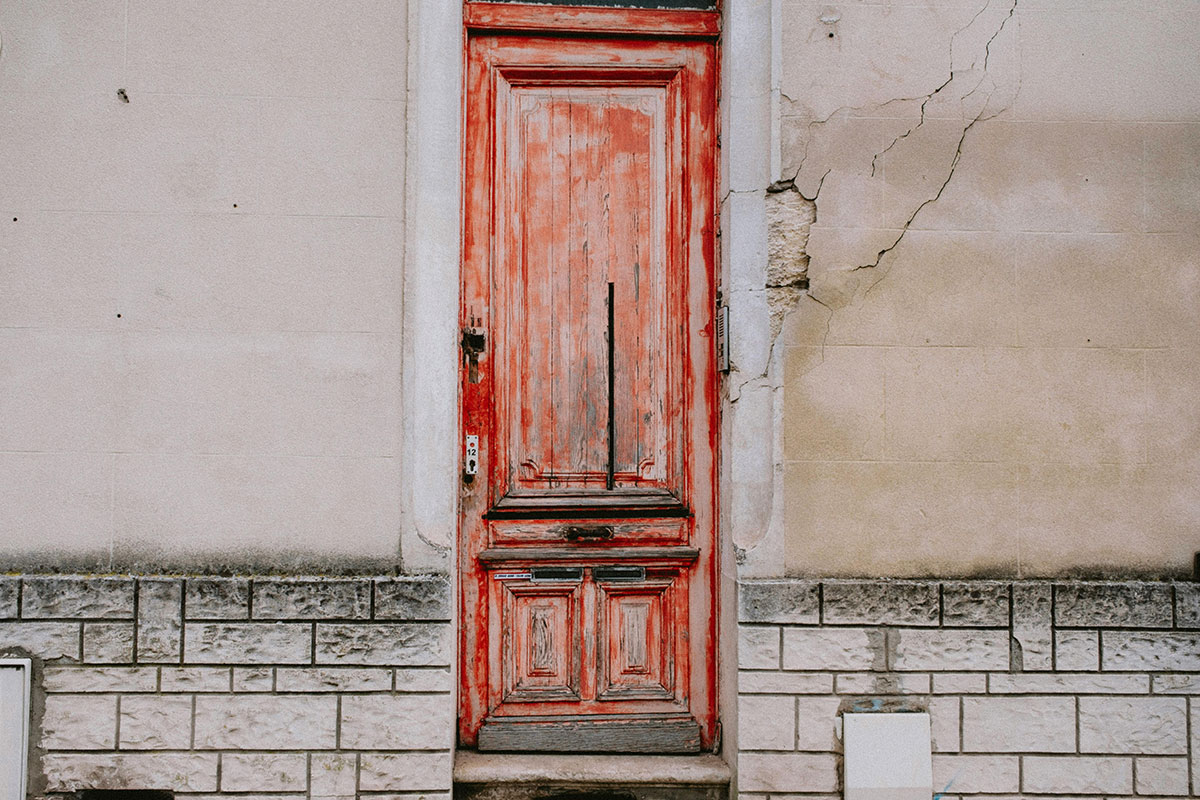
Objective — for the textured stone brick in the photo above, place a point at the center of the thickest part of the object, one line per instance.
(79, 722)
(788, 602)
(952, 774)
(833, 649)
(882, 683)
(817, 724)
(264, 772)
(247, 643)
(404, 772)
(412, 598)
(253, 679)
(1019, 724)
(766, 722)
(1187, 605)
(1176, 684)
(1161, 776)
(265, 722)
(195, 679)
(423, 680)
(1032, 625)
(784, 682)
(1009, 683)
(180, 772)
(949, 650)
(218, 598)
(156, 722)
(880, 603)
(1112, 605)
(311, 599)
(1078, 775)
(76, 597)
(982, 604)
(108, 642)
(399, 644)
(333, 775)
(10, 588)
(1142, 725)
(100, 679)
(160, 620)
(396, 722)
(333, 679)
(959, 683)
(1145, 650)
(758, 648)
(787, 772)
(945, 724)
(1077, 650)
(46, 640)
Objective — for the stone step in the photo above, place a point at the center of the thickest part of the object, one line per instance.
(536, 776)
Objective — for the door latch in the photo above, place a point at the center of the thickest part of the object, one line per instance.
(573, 533)
(473, 343)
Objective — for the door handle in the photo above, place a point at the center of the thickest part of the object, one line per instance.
(573, 533)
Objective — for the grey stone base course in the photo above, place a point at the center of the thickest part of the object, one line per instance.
(1035, 689)
(288, 688)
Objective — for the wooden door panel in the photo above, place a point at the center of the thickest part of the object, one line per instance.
(542, 652)
(583, 190)
(587, 539)
(638, 635)
(611, 532)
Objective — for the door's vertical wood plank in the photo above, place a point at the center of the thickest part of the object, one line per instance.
(531, 205)
(599, 250)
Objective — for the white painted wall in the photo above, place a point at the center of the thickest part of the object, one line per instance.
(200, 288)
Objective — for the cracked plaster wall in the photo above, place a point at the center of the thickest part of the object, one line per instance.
(994, 366)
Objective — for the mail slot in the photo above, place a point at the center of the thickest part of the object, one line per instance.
(549, 574)
(619, 573)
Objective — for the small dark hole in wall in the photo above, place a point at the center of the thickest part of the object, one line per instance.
(125, 794)
(118, 316)
(235, 205)
(830, 35)
(14, 219)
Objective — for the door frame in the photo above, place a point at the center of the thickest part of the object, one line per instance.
(431, 442)
(505, 19)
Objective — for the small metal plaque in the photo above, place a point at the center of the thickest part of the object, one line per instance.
(511, 576)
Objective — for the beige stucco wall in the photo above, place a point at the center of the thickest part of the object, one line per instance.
(200, 288)
(997, 365)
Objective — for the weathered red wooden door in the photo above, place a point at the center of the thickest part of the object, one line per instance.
(587, 529)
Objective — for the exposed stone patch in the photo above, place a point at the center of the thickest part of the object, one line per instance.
(790, 215)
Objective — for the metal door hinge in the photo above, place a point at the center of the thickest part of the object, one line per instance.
(722, 328)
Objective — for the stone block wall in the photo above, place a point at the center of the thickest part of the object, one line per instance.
(292, 687)
(1059, 689)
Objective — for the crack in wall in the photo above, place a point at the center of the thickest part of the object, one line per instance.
(832, 286)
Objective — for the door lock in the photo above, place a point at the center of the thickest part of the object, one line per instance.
(470, 458)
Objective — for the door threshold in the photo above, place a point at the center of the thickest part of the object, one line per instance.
(538, 775)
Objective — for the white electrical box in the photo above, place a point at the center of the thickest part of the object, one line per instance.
(14, 726)
(887, 756)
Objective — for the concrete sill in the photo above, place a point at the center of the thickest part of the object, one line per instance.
(593, 770)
